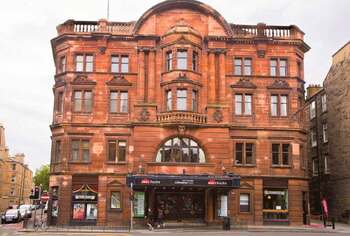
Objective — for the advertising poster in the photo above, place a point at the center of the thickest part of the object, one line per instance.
(91, 211)
(78, 211)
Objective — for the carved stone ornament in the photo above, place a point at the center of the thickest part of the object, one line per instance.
(261, 53)
(244, 83)
(119, 80)
(279, 84)
(83, 80)
(144, 114)
(181, 129)
(218, 116)
(102, 49)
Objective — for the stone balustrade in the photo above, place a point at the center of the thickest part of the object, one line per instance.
(182, 117)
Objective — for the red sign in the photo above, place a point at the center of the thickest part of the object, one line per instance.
(145, 181)
(211, 182)
(44, 198)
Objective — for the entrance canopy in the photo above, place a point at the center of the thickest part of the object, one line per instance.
(217, 181)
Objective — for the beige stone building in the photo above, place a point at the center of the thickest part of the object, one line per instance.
(16, 179)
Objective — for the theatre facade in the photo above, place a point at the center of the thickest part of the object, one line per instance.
(179, 115)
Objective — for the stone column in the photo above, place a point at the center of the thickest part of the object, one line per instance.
(151, 75)
(222, 77)
(211, 80)
(141, 76)
(102, 201)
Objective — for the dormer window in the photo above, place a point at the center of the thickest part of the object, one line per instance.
(182, 59)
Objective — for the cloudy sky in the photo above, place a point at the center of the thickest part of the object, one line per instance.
(27, 68)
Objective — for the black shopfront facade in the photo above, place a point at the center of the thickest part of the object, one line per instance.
(181, 198)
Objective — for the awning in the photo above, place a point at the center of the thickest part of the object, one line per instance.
(221, 181)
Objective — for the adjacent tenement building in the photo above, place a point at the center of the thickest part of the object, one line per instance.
(191, 117)
(337, 88)
(16, 179)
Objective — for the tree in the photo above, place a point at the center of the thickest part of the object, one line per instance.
(42, 176)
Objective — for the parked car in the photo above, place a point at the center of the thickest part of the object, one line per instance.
(11, 215)
(25, 211)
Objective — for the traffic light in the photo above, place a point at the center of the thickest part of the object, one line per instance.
(35, 193)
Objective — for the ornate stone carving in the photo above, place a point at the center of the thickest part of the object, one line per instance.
(102, 49)
(144, 115)
(279, 84)
(218, 116)
(261, 53)
(83, 80)
(181, 129)
(119, 80)
(244, 83)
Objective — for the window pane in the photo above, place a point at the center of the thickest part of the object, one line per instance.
(285, 154)
(238, 66)
(115, 64)
(284, 107)
(89, 63)
(273, 67)
(181, 101)
(244, 204)
(275, 154)
(112, 151)
(239, 153)
(124, 102)
(169, 61)
(113, 101)
(79, 63)
(274, 105)
(125, 64)
(182, 60)
(115, 200)
(249, 153)
(88, 101)
(57, 151)
(195, 61)
(121, 150)
(247, 66)
(194, 100)
(238, 104)
(169, 100)
(77, 100)
(86, 150)
(75, 150)
(283, 67)
(248, 104)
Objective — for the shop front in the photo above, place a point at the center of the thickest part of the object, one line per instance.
(181, 198)
(84, 206)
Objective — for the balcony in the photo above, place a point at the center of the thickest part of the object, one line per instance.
(182, 117)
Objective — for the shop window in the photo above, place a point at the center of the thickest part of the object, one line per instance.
(222, 205)
(57, 153)
(116, 200)
(84, 205)
(180, 149)
(139, 204)
(280, 154)
(169, 61)
(181, 99)
(194, 101)
(59, 102)
(82, 101)
(244, 202)
(195, 61)
(169, 100)
(62, 64)
(84, 63)
(324, 102)
(119, 64)
(279, 105)
(244, 154)
(117, 151)
(182, 59)
(324, 131)
(119, 102)
(275, 204)
(80, 150)
(313, 137)
(312, 109)
(278, 67)
(243, 104)
(315, 167)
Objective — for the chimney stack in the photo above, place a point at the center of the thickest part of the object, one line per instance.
(312, 89)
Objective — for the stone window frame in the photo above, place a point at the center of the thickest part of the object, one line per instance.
(312, 109)
(119, 90)
(326, 164)
(324, 103)
(59, 101)
(60, 69)
(279, 95)
(80, 150)
(243, 65)
(250, 199)
(278, 67)
(83, 89)
(55, 143)
(109, 201)
(244, 142)
(280, 154)
(173, 88)
(117, 140)
(325, 132)
(85, 54)
(119, 55)
(315, 167)
(243, 93)
(313, 137)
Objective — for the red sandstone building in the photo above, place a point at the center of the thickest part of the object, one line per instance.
(201, 117)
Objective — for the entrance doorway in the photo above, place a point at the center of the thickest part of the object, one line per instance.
(180, 206)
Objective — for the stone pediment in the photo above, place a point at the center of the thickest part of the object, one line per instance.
(115, 183)
(244, 83)
(119, 80)
(182, 78)
(83, 80)
(245, 185)
(279, 84)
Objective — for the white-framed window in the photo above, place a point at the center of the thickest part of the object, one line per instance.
(313, 137)
(326, 167)
(312, 109)
(324, 102)
(315, 167)
(244, 202)
(324, 131)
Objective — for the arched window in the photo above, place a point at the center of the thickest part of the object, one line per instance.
(180, 149)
